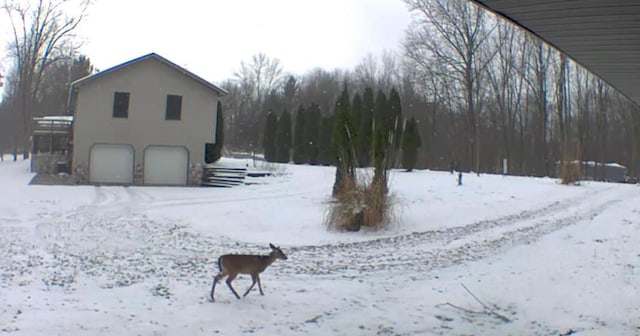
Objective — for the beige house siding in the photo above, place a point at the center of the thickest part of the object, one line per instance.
(148, 81)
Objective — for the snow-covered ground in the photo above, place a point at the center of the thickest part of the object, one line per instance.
(540, 258)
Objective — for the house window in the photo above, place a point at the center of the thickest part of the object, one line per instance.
(121, 105)
(174, 107)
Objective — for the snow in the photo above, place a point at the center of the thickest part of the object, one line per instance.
(543, 258)
(56, 118)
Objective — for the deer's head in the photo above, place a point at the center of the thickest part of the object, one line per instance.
(276, 252)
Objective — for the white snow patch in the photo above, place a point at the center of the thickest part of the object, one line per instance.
(543, 258)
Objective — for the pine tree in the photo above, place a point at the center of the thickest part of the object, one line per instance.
(269, 140)
(283, 138)
(410, 144)
(365, 139)
(299, 147)
(312, 133)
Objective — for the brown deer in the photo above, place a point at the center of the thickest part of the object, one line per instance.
(233, 264)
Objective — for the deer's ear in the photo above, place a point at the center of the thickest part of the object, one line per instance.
(271, 246)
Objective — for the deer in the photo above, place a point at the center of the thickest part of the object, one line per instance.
(233, 264)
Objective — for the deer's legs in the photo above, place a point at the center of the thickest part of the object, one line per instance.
(259, 285)
(253, 277)
(215, 281)
(229, 279)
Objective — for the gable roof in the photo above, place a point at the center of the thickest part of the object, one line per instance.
(207, 84)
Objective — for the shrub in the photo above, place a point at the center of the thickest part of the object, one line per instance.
(570, 166)
(359, 204)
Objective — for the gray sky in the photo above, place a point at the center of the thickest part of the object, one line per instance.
(211, 38)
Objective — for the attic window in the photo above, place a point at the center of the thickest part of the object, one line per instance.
(174, 107)
(121, 105)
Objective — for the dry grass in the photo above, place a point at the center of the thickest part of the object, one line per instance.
(570, 172)
(570, 166)
(359, 204)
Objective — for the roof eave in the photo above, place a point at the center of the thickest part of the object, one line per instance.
(218, 90)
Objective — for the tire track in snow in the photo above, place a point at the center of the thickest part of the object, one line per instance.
(111, 199)
(424, 251)
(458, 232)
(124, 247)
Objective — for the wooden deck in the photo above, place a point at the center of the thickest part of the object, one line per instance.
(225, 176)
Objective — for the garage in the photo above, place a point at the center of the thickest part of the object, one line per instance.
(166, 165)
(111, 163)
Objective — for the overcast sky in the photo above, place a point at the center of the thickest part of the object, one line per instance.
(211, 38)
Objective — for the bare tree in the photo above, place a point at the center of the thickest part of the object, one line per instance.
(537, 77)
(508, 86)
(456, 33)
(563, 104)
(631, 120)
(381, 73)
(253, 82)
(601, 91)
(323, 88)
(41, 31)
(235, 102)
(390, 71)
(584, 110)
(260, 76)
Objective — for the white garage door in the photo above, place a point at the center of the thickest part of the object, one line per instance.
(166, 165)
(110, 163)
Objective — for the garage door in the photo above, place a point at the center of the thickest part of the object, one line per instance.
(166, 165)
(110, 163)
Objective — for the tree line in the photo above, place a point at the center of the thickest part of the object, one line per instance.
(475, 89)
(479, 90)
(44, 60)
(308, 137)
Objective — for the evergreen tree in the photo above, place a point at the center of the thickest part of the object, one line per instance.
(311, 133)
(55, 83)
(300, 154)
(213, 152)
(356, 118)
(273, 102)
(410, 144)
(380, 128)
(219, 126)
(324, 140)
(342, 144)
(269, 141)
(395, 117)
(289, 92)
(365, 139)
(283, 138)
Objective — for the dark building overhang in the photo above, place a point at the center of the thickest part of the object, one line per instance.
(602, 36)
